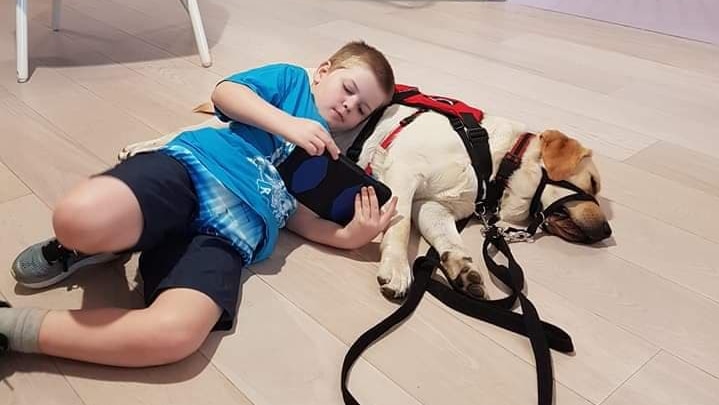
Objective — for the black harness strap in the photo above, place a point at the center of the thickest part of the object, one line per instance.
(509, 164)
(476, 142)
(356, 148)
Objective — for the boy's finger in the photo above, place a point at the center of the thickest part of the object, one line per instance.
(310, 148)
(368, 206)
(390, 210)
(358, 205)
(333, 149)
(328, 140)
(373, 203)
(319, 146)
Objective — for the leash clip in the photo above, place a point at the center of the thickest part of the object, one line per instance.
(510, 235)
(487, 218)
(520, 235)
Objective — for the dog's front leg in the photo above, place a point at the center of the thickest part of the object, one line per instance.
(437, 225)
(394, 274)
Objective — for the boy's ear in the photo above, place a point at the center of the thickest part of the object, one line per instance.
(321, 72)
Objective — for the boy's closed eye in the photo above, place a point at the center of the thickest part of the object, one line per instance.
(351, 88)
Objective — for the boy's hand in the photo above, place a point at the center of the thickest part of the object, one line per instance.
(311, 136)
(369, 219)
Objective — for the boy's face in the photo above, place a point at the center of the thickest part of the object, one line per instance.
(346, 96)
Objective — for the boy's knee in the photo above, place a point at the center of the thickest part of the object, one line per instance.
(74, 220)
(177, 338)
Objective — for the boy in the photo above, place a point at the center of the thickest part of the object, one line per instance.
(200, 209)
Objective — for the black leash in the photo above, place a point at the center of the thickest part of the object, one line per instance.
(542, 335)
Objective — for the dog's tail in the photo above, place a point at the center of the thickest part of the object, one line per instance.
(205, 108)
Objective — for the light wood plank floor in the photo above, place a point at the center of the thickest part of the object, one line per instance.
(642, 307)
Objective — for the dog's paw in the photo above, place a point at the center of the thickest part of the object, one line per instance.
(464, 274)
(394, 279)
(384, 273)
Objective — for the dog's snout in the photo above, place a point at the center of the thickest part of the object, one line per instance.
(599, 233)
(606, 230)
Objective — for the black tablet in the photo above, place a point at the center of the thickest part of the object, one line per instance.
(327, 186)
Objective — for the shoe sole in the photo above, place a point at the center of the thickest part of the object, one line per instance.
(101, 258)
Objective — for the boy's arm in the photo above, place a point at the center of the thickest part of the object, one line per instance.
(307, 224)
(367, 223)
(240, 103)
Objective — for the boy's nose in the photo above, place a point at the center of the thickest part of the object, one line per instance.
(349, 103)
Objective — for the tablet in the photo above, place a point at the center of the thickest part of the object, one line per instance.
(327, 186)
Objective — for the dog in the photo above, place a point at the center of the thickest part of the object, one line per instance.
(429, 169)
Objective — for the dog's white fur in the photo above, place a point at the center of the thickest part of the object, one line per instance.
(428, 168)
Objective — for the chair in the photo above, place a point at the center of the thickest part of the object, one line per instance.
(21, 33)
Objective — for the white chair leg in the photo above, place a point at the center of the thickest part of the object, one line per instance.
(56, 4)
(194, 11)
(21, 39)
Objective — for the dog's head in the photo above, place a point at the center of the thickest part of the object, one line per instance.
(565, 159)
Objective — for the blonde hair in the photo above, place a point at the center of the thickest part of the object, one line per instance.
(358, 52)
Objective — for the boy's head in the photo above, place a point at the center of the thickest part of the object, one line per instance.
(351, 84)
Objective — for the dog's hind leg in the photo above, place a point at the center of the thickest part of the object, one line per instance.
(394, 274)
(436, 224)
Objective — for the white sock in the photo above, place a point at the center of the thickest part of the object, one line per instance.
(22, 327)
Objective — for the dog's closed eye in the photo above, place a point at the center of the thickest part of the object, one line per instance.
(595, 185)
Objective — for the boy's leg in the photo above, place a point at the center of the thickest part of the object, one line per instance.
(170, 329)
(100, 215)
(133, 206)
(191, 285)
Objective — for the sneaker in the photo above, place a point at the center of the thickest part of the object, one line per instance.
(46, 263)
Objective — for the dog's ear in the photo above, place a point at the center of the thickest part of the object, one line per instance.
(205, 108)
(561, 154)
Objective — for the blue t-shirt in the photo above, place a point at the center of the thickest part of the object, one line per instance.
(241, 159)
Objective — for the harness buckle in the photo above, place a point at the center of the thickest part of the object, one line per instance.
(541, 217)
(476, 134)
(408, 120)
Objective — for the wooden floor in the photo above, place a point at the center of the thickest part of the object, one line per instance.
(643, 308)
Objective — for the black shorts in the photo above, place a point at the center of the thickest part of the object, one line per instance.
(173, 254)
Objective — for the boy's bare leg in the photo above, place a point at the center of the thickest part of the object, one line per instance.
(100, 214)
(172, 328)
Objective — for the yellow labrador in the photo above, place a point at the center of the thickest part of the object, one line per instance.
(428, 168)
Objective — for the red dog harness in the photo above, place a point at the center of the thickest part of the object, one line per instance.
(465, 120)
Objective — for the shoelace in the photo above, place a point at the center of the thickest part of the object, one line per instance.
(53, 252)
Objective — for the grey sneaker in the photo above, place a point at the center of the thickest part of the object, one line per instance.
(46, 263)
